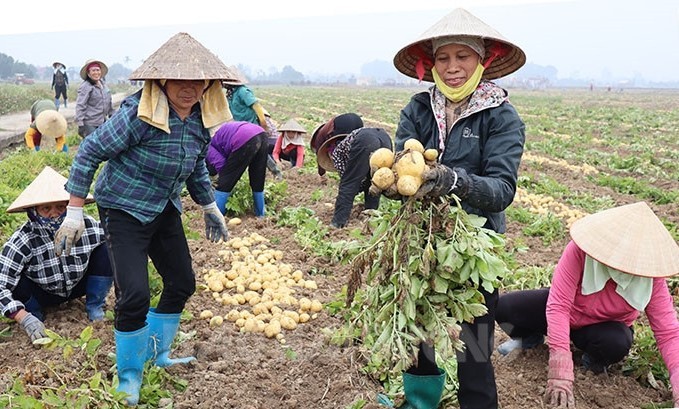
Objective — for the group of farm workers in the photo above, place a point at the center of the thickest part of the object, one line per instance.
(178, 130)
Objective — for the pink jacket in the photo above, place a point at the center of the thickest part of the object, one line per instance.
(567, 308)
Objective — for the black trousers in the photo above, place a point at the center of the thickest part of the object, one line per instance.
(356, 177)
(60, 91)
(251, 156)
(522, 313)
(475, 372)
(130, 244)
(98, 265)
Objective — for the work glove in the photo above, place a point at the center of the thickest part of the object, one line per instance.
(440, 180)
(674, 381)
(33, 327)
(559, 392)
(70, 231)
(215, 226)
(82, 130)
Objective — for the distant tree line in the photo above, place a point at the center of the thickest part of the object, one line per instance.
(9, 67)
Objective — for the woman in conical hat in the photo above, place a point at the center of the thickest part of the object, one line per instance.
(479, 137)
(154, 147)
(613, 269)
(33, 277)
(290, 144)
(344, 145)
(46, 121)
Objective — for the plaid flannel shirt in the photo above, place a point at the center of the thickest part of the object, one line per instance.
(30, 252)
(145, 167)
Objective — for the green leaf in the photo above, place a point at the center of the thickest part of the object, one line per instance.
(440, 284)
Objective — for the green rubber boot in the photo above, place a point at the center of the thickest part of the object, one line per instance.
(423, 391)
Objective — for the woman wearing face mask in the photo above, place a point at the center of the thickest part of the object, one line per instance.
(479, 137)
(33, 277)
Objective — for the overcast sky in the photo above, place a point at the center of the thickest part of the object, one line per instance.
(594, 39)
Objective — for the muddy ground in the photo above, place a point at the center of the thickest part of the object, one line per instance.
(250, 371)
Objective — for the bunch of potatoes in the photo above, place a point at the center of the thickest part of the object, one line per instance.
(402, 172)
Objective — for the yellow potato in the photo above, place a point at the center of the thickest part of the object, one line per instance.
(382, 158)
(383, 178)
(407, 185)
(414, 145)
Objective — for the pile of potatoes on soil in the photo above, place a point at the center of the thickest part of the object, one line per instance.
(257, 290)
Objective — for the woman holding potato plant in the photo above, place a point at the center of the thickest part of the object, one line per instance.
(343, 145)
(154, 146)
(478, 137)
(611, 271)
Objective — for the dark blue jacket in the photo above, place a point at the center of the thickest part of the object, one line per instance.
(486, 141)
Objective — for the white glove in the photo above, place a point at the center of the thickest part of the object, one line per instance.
(215, 226)
(70, 231)
(33, 327)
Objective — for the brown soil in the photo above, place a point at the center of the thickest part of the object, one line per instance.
(249, 371)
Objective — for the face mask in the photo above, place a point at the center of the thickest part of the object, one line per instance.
(49, 222)
(460, 93)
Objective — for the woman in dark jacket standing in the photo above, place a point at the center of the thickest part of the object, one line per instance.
(480, 138)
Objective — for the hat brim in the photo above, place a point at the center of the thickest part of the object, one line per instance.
(47, 187)
(322, 155)
(83, 70)
(630, 239)
(51, 123)
(406, 59)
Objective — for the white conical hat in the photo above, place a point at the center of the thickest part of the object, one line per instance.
(291, 126)
(460, 22)
(83, 69)
(629, 238)
(47, 187)
(182, 57)
(51, 123)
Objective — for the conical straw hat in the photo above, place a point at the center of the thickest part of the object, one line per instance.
(291, 126)
(47, 187)
(183, 58)
(630, 239)
(238, 77)
(83, 69)
(51, 123)
(460, 22)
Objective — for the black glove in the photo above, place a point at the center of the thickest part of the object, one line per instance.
(440, 180)
(82, 130)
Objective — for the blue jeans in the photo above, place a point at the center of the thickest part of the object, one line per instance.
(130, 245)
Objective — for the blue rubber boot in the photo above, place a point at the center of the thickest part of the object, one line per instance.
(96, 290)
(258, 198)
(221, 198)
(34, 308)
(162, 330)
(56, 103)
(131, 349)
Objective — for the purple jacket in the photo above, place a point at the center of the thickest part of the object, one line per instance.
(228, 139)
